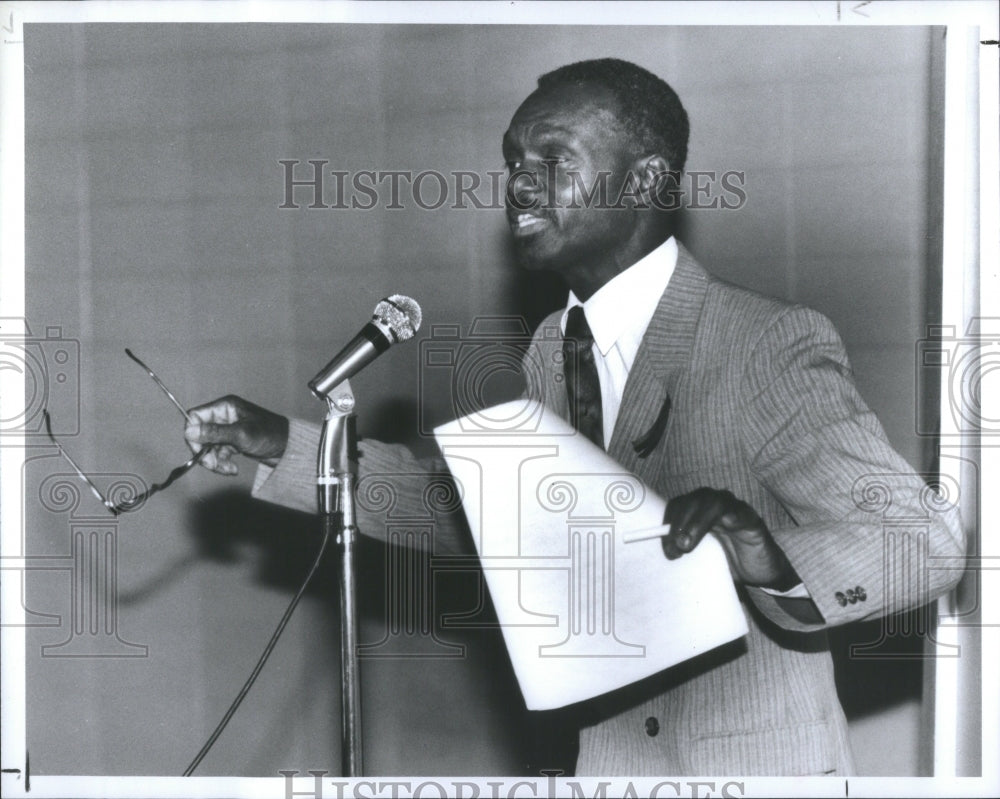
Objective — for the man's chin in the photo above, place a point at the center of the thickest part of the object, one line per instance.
(534, 258)
(531, 264)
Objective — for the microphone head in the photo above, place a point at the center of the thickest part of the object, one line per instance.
(400, 315)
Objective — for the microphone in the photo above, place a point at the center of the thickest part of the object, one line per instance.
(396, 318)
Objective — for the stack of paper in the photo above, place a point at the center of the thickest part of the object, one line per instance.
(583, 607)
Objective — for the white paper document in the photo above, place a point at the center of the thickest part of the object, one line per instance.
(584, 609)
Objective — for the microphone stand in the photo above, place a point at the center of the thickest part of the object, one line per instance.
(336, 475)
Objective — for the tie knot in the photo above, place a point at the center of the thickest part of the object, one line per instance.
(577, 326)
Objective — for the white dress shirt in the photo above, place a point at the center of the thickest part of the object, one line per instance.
(618, 315)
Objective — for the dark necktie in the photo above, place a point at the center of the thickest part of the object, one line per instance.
(583, 388)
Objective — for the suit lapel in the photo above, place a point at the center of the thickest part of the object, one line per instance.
(660, 365)
(545, 375)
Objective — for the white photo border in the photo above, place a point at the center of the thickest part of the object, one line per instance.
(971, 223)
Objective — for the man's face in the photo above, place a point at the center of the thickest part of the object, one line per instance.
(560, 146)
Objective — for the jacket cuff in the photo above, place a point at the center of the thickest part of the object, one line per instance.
(839, 596)
(292, 482)
(798, 591)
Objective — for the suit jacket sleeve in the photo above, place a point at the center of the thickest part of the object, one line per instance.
(867, 529)
(410, 480)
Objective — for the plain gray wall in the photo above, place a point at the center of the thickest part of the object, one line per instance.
(153, 187)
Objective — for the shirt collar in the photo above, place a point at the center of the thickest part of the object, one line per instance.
(637, 289)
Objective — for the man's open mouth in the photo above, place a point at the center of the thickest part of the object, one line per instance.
(526, 224)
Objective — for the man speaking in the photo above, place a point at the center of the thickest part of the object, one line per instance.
(740, 410)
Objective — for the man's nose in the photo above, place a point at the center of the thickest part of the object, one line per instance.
(523, 187)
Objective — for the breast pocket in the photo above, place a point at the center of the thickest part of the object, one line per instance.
(796, 750)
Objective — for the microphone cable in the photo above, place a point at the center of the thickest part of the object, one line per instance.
(261, 661)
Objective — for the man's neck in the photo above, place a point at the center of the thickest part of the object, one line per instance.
(586, 279)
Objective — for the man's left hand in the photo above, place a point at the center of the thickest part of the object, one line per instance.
(754, 557)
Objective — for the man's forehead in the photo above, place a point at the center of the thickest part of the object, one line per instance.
(565, 109)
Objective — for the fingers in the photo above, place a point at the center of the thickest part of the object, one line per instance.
(689, 524)
(220, 460)
(235, 426)
(692, 516)
(201, 433)
(687, 516)
(216, 423)
(225, 410)
(753, 555)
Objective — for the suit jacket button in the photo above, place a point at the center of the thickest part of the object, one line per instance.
(652, 727)
(841, 599)
(859, 592)
(852, 597)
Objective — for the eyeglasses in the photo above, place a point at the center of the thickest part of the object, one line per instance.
(132, 503)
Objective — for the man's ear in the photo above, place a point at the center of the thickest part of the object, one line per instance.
(657, 184)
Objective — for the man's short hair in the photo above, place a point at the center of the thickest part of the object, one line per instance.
(650, 111)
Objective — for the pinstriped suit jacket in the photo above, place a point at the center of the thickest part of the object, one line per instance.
(763, 405)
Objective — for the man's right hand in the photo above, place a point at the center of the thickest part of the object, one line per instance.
(236, 426)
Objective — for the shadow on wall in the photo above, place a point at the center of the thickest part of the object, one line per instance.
(229, 524)
(879, 663)
(285, 542)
